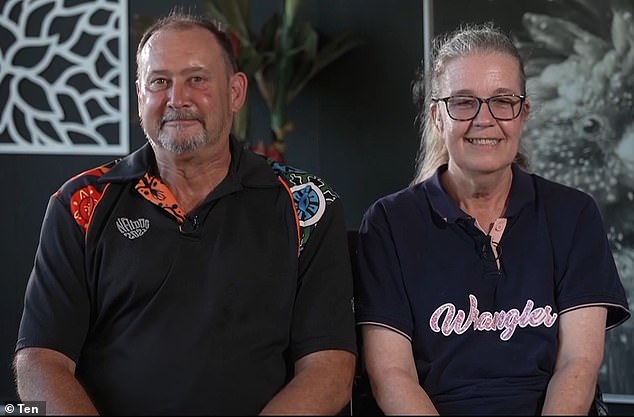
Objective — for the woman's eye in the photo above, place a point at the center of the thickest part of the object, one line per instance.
(464, 102)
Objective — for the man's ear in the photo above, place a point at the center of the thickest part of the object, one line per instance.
(138, 96)
(239, 85)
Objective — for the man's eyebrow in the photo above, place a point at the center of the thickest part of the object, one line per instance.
(185, 71)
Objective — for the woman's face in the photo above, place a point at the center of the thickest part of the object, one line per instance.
(482, 145)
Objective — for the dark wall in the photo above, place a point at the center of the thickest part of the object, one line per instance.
(354, 126)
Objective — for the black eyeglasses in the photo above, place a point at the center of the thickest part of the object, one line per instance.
(502, 107)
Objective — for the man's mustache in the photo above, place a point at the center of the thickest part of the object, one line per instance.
(180, 115)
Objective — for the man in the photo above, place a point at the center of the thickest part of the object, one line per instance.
(192, 276)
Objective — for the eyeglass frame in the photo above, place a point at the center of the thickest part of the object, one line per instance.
(522, 98)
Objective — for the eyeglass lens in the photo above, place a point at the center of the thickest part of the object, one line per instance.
(466, 108)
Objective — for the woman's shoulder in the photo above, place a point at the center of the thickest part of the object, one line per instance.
(408, 195)
(563, 202)
(400, 204)
(546, 188)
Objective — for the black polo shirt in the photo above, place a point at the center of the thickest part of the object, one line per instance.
(204, 313)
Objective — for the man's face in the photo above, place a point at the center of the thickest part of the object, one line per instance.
(187, 93)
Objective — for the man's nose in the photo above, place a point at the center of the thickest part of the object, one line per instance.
(178, 95)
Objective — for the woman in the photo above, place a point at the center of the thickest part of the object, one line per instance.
(482, 288)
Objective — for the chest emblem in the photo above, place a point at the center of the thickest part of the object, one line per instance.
(132, 229)
(447, 319)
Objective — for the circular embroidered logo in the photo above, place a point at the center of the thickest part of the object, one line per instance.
(310, 203)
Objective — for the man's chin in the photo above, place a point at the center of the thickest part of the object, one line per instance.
(181, 146)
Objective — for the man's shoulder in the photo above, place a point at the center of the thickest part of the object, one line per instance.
(303, 184)
(310, 194)
(86, 180)
(80, 194)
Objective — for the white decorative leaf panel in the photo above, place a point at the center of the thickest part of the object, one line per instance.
(64, 77)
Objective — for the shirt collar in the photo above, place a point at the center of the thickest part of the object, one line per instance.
(245, 170)
(522, 193)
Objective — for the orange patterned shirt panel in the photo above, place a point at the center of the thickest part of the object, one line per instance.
(156, 191)
(84, 201)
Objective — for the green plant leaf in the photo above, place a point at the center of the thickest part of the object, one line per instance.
(290, 11)
(283, 57)
(234, 14)
(326, 55)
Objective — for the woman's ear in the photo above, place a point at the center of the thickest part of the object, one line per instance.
(527, 108)
(436, 117)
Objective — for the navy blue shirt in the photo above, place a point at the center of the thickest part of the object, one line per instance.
(481, 315)
(167, 312)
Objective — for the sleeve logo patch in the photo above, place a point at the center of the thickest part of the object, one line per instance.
(310, 203)
(83, 203)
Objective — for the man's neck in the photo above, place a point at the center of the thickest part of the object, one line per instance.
(193, 176)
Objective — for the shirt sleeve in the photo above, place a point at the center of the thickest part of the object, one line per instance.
(56, 303)
(380, 295)
(323, 313)
(588, 273)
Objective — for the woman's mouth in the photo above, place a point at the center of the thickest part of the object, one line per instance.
(483, 141)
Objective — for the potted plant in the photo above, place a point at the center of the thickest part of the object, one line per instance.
(285, 55)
